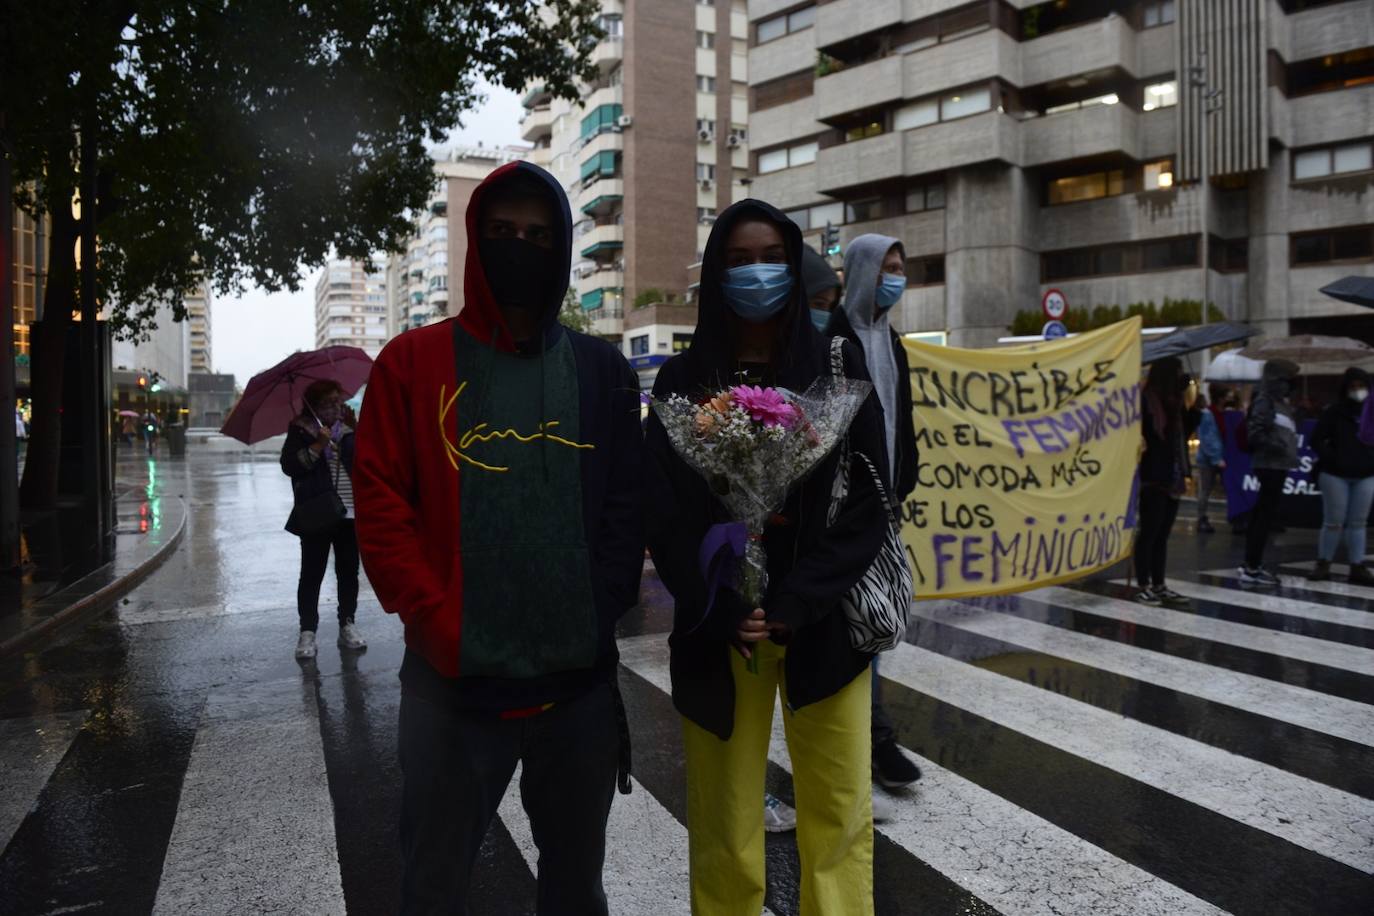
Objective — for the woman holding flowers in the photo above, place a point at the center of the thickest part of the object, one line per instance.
(730, 659)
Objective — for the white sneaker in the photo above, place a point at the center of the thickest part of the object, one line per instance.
(305, 646)
(350, 638)
(777, 816)
(884, 808)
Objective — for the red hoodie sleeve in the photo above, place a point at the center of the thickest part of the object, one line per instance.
(384, 487)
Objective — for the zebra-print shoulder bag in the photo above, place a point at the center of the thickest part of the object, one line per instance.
(875, 609)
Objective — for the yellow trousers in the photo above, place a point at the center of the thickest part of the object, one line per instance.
(831, 750)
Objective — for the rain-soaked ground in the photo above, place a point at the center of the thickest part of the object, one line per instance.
(1081, 753)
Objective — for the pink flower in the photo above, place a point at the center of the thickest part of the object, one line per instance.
(765, 405)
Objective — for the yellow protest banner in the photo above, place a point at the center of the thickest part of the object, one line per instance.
(1027, 462)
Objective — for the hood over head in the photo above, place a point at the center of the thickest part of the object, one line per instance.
(817, 274)
(1276, 369)
(863, 262)
(481, 315)
(1353, 374)
(711, 355)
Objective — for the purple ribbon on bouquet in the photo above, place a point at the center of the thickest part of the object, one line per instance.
(719, 556)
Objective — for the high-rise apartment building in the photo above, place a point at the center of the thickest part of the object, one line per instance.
(654, 148)
(425, 282)
(1017, 147)
(198, 326)
(26, 280)
(351, 306)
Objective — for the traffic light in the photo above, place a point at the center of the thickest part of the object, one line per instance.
(157, 383)
(143, 381)
(830, 240)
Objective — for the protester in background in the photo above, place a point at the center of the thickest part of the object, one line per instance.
(1163, 471)
(1345, 473)
(1272, 436)
(1211, 453)
(876, 268)
(822, 287)
(753, 328)
(499, 516)
(148, 426)
(318, 457)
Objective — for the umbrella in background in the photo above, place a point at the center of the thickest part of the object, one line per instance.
(1190, 340)
(1312, 348)
(130, 413)
(1232, 367)
(1355, 290)
(273, 396)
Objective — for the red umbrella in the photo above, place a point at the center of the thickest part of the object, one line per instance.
(273, 397)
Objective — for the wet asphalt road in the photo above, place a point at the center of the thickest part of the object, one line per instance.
(1082, 753)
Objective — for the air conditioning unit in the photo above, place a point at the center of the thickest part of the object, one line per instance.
(624, 121)
(705, 136)
(706, 184)
(733, 141)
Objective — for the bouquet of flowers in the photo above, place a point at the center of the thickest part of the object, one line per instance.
(752, 445)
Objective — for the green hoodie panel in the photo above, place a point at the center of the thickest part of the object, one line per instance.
(528, 606)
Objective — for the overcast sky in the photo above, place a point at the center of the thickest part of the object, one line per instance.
(260, 329)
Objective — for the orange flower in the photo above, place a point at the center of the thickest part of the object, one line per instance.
(705, 424)
(721, 403)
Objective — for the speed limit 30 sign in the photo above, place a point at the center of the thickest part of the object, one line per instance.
(1054, 305)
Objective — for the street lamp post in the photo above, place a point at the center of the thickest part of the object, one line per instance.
(1211, 103)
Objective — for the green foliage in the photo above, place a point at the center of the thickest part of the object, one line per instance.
(573, 315)
(1172, 313)
(826, 65)
(650, 296)
(239, 142)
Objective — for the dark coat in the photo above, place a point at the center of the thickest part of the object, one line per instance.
(908, 455)
(1336, 438)
(309, 478)
(810, 566)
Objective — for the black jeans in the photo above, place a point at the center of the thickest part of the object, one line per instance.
(456, 766)
(314, 561)
(883, 732)
(1157, 513)
(1262, 517)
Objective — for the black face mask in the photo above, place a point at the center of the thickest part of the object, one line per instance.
(520, 273)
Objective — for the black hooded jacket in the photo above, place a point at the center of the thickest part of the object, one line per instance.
(810, 566)
(1336, 438)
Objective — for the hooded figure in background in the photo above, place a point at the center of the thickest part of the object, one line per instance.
(875, 278)
(822, 287)
(1271, 430)
(753, 327)
(1345, 473)
(496, 485)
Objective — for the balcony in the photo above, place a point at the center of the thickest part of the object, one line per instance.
(845, 19)
(608, 54)
(783, 56)
(602, 198)
(601, 242)
(1328, 117)
(537, 124)
(960, 62)
(597, 143)
(662, 313)
(607, 95)
(1091, 131)
(985, 137)
(859, 162)
(608, 321)
(1099, 45)
(859, 88)
(607, 278)
(788, 188)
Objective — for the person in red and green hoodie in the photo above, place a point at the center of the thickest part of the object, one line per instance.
(496, 484)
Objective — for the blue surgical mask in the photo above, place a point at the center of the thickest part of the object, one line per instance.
(821, 319)
(757, 292)
(889, 291)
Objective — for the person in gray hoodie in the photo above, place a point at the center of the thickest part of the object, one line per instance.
(875, 278)
(1271, 432)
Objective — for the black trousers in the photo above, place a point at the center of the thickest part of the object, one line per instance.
(1263, 516)
(456, 767)
(1157, 513)
(314, 561)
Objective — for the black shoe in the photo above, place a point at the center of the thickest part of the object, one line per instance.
(1360, 574)
(891, 768)
(1204, 526)
(1321, 572)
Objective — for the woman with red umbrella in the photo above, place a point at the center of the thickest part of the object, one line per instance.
(318, 457)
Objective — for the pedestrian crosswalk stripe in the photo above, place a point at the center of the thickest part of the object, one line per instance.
(1009, 857)
(1278, 604)
(1288, 645)
(254, 828)
(1327, 714)
(30, 749)
(1316, 817)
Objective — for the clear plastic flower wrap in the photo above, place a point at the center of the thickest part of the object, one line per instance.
(752, 445)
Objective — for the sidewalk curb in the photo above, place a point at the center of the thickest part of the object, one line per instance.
(99, 600)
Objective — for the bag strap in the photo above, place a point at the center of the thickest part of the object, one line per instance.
(888, 508)
(839, 488)
(837, 357)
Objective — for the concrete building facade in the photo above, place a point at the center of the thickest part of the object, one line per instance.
(654, 148)
(425, 282)
(166, 352)
(351, 306)
(198, 327)
(1017, 146)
